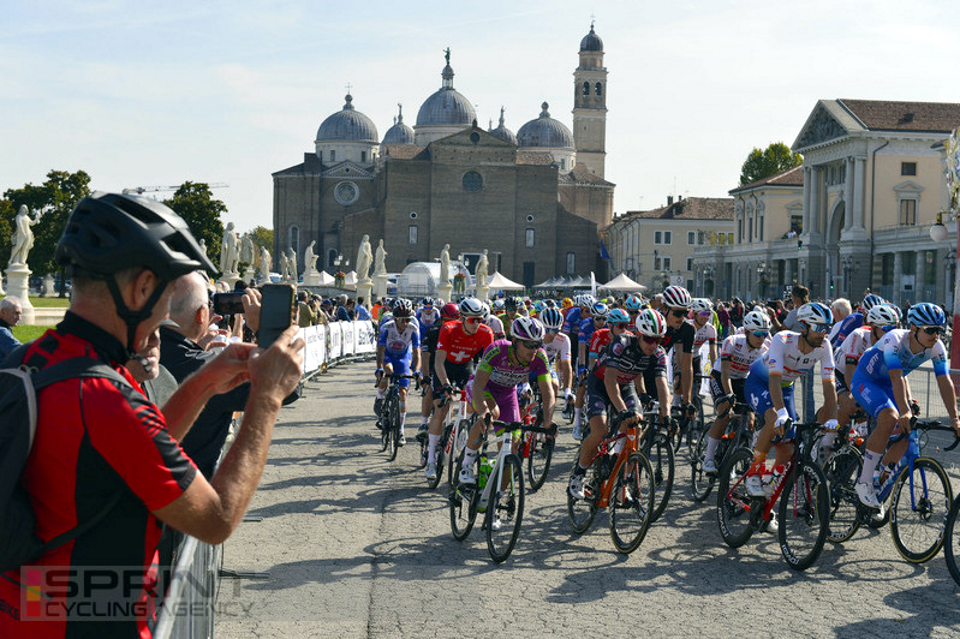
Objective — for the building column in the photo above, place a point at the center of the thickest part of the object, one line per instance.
(815, 203)
(848, 187)
(859, 165)
(918, 278)
(897, 278)
(788, 272)
(807, 172)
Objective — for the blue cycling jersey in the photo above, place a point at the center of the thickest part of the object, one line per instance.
(893, 352)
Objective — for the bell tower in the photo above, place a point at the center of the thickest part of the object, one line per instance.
(590, 105)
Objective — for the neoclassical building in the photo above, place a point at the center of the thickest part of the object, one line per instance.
(535, 199)
(856, 215)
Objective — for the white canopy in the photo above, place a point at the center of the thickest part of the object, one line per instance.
(326, 279)
(500, 283)
(622, 283)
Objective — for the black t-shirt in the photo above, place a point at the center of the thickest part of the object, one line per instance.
(684, 336)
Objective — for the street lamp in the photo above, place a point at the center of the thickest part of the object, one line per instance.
(938, 232)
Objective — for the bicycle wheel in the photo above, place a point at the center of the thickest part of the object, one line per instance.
(440, 460)
(696, 427)
(393, 410)
(539, 450)
(463, 504)
(631, 503)
(701, 485)
(582, 511)
(661, 458)
(458, 433)
(919, 508)
(734, 505)
(951, 543)
(505, 510)
(842, 469)
(384, 420)
(804, 515)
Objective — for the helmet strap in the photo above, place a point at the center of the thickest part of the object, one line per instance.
(133, 318)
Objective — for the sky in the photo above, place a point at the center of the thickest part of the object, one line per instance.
(155, 94)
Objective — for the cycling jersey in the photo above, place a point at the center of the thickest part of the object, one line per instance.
(496, 326)
(704, 334)
(427, 318)
(559, 349)
(461, 347)
(587, 328)
(784, 357)
(854, 346)
(600, 340)
(844, 328)
(506, 373)
(682, 336)
(893, 352)
(737, 351)
(399, 344)
(626, 355)
(571, 322)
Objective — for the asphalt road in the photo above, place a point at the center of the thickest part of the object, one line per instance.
(359, 547)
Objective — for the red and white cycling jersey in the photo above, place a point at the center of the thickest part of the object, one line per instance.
(558, 350)
(706, 333)
(737, 351)
(854, 346)
(460, 347)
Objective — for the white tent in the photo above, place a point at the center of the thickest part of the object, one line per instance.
(622, 283)
(500, 283)
(326, 279)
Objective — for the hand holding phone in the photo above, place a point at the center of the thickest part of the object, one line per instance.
(277, 312)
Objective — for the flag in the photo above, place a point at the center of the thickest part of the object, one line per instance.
(603, 252)
(593, 284)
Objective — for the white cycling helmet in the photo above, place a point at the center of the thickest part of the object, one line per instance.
(471, 307)
(701, 304)
(527, 328)
(756, 321)
(651, 323)
(883, 315)
(677, 297)
(815, 313)
(552, 318)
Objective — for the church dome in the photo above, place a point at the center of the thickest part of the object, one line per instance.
(545, 132)
(399, 133)
(348, 125)
(503, 132)
(447, 106)
(591, 42)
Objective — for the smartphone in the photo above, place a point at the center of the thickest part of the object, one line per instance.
(228, 303)
(277, 310)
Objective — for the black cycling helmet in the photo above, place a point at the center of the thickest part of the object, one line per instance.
(110, 232)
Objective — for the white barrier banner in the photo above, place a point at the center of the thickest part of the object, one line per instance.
(349, 344)
(336, 341)
(313, 352)
(323, 336)
(366, 337)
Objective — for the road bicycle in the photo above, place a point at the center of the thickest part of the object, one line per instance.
(622, 482)
(388, 421)
(917, 488)
(536, 447)
(736, 435)
(657, 445)
(690, 423)
(497, 493)
(456, 425)
(801, 488)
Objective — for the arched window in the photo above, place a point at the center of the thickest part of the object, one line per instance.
(599, 89)
(293, 239)
(586, 89)
(331, 258)
(529, 238)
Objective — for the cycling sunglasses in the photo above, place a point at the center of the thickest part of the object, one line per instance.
(887, 329)
(530, 344)
(599, 319)
(472, 320)
(678, 312)
(761, 333)
(705, 313)
(553, 331)
(818, 328)
(651, 340)
(932, 330)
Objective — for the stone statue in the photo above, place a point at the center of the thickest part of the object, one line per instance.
(203, 246)
(284, 266)
(229, 251)
(309, 260)
(481, 271)
(380, 267)
(445, 265)
(292, 264)
(266, 262)
(248, 252)
(22, 239)
(364, 260)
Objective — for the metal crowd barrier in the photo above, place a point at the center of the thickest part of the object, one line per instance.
(188, 610)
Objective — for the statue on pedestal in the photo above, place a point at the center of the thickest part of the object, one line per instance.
(364, 260)
(22, 238)
(380, 267)
(292, 264)
(309, 260)
(266, 263)
(229, 251)
(481, 271)
(445, 265)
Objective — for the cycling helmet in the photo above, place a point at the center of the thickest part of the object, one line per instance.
(551, 303)
(618, 316)
(552, 319)
(498, 304)
(471, 307)
(701, 304)
(869, 302)
(426, 301)
(651, 323)
(538, 306)
(883, 315)
(756, 321)
(566, 302)
(402, 308)
(486, 310)
(633, 303)
(926, 314)
(512, 303)
(450, 311)
(527, 328)
(815, 313)
(438, 302)
(676, 297)
(599, 309)
(587, 300)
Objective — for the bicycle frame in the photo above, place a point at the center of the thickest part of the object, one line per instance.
(496, 478)
(629, 446)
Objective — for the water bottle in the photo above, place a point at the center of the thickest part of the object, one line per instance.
(485, 468)
(766, 480)
(777, 476)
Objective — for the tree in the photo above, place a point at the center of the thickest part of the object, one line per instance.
(760, 164)
(194, 202)
(262, 237)
(57, 197)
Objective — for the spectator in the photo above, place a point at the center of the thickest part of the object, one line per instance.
(345, 312)
(10, 313)
(326, 307)
(362, 312)
(100, 442)
(307, 313)
(724, 317)
(800, 295)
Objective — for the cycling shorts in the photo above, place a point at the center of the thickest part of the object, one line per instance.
(597, 400)
(457, 374)
(758, 397)
(872, 396)
(841, 382)
(505, 398)
(716, 389)
(401, 366)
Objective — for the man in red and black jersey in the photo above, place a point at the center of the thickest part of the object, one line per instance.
(459, 345)
(100, 442)
(449, 312)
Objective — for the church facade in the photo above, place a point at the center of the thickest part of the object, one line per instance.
(536, 199)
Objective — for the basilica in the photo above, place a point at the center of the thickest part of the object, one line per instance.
(536, 199)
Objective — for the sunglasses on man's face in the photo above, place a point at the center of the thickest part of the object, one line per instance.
(762, 334)
(471, 320)
(599, 319)
(887, 329)
(932, 330)
(678, 312)
(553, 331)
(819, 328)
(651, 340)
(705, 313)
(530, 344)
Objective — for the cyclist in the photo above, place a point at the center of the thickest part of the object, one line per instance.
(427, 314)
(493, 322)
(595, 318)
(726, 385)
(706, 332)
(679, 338)
(612, 383)
(428, 346)
(632, 306)
(511, 309)
(571, 324)
(853, 321)
(879, 385)
(458, 345)
(556, 345)
(505, 365)
(398, 351)
(769, 386)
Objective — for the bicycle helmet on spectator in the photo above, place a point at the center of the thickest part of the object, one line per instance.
(633, 303)
(926, 314)
(450, 311)
(651, 323)
(677, 297)
(870, 301)
(402, 308)
(599, 309)
(815, 313)
(527, 328)
(701, 304)
(109, 232)
(618, 316)
(552, 319)
(756, 321)
(471, 307)
(883, 315)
